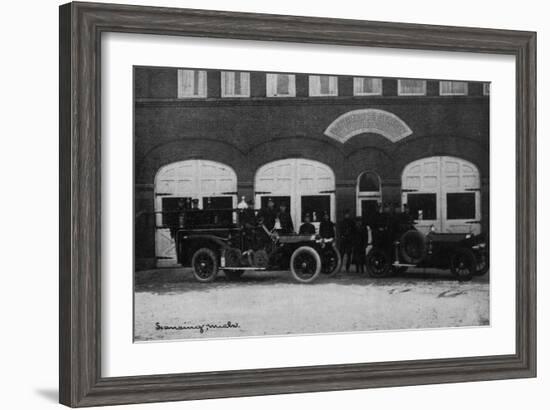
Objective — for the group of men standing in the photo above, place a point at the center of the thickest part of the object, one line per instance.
(281, 221)
(355, 236)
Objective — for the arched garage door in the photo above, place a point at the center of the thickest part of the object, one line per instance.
(444, 192)
(306, 186)
(176, 185)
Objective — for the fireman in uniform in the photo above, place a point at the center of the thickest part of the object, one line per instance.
(194, 216)
(326, 228)
(269, 214)
(307, 228)
(347, 233)
(285, 220)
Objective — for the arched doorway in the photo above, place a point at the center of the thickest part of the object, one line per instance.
(444, 192)
(368, 193)
(306, 186)
(176, 185)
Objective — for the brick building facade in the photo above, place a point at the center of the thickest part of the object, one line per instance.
(333, 143)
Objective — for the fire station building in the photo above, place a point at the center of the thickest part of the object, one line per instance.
(319, 143)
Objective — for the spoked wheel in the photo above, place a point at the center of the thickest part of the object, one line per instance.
(463, 264)
(331, 261)
(205, 265)
(482, 264)
(233, 274)
(305, 264)
(378, 263)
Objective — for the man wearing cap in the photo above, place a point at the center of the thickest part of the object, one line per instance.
(326, 228)
(307, 228)
(285, 219)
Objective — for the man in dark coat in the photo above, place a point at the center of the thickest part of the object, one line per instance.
(268, 215)
(194, 216)
(285, 220)
(247, 219)
(347, 233)
(360, 242)
(326, 228)
(307, 228)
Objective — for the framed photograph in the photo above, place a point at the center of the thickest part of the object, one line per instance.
(261, 204)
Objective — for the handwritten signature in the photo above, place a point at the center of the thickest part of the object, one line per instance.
(201, 327)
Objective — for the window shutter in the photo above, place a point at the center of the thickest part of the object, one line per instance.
(333, 85)
(245, 84)
(323, 85)
(367, 86)
(191, 83)
(282, 84)
(228, 83)
(412, 87)
(453, 88)
(201, 83)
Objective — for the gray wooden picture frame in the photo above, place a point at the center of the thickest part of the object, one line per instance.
(81, 27)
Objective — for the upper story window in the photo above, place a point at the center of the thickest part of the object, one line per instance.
(323, 85)
(486, 88)
(235, 84)
(411, 87)
(367, 86)
(453, 88)
(369, 183)
(191, 84)
(281, 85)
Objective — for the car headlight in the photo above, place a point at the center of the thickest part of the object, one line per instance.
(479, 246)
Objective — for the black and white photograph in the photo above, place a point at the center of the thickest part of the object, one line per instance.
(277, 203)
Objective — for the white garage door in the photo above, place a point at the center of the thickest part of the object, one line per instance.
(306, 186)
(207, 181)
(443, 192)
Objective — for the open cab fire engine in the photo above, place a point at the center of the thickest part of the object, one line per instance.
(236, 241)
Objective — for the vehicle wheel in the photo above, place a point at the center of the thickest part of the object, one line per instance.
(331, 262)
(305, 264)
(463, 264)
(205, 265)
(233, 274)
(378, 263)
(412, 246)
(482, 264)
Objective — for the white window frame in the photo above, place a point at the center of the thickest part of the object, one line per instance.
(358, 83)
(271, 85)
(315, 86)
(452, 83)
(486, 88)
(400, 86)
(230, 76)
(367, 195)
(201, 92)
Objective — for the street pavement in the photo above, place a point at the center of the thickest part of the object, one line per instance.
(171, 304)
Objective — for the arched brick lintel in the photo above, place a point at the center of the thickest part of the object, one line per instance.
(368, 120)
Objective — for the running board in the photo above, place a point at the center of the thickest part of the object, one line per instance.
(241, 268)
(403, 264)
